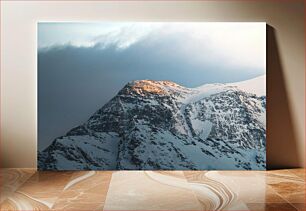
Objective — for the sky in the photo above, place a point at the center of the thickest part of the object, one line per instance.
(81, 66)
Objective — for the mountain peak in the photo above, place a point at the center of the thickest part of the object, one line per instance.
(144, 87)
(161, 125)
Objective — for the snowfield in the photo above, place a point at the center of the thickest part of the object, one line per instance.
(162, 125)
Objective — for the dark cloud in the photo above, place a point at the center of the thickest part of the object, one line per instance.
(73, 82)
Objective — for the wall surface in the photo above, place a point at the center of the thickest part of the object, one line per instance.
(285, 63)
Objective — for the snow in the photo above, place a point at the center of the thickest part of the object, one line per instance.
(262, 118)
(202, 92)
(255, 86)
(203, 128)
(194, 116)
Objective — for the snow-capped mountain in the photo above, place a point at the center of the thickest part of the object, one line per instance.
(162, 125)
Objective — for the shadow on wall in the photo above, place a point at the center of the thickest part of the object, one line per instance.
(281, 140)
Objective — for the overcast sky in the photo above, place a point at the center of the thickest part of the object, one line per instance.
(83, 65)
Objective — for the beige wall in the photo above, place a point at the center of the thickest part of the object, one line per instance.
(286, 58)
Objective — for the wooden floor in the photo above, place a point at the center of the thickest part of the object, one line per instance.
(28, 189)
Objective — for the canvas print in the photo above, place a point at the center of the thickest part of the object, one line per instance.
(151, 96)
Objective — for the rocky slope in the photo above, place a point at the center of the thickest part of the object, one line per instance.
(162, 125)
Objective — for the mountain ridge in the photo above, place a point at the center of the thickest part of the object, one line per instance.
(162, 125)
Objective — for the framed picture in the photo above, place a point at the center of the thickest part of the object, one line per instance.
(151, 95)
